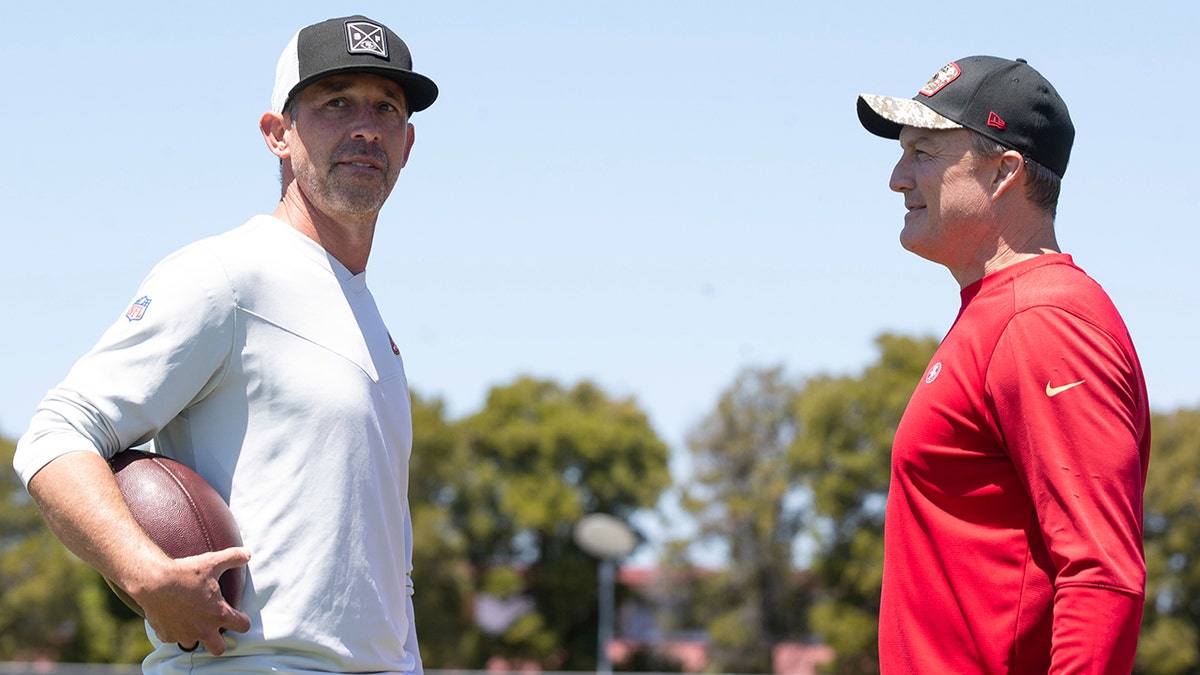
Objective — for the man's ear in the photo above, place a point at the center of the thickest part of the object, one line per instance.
(1010, 171)
(273, 125)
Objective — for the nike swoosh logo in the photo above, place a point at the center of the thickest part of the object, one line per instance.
(1055, 391)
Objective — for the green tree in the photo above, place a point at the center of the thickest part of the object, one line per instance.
(1171, 623)
(537, 458)
(841, 454)
(742, 497)
(442, 577)
(52, 605)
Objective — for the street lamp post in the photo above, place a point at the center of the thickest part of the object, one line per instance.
(607, 575)
(608, 539)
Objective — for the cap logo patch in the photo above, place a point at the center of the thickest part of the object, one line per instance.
(940, 79)
(995, 121)
(363, 37)
(138, 309)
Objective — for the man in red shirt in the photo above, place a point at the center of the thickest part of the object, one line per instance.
(1013, 536)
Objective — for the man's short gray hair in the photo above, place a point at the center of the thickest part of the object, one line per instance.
(1042, 186)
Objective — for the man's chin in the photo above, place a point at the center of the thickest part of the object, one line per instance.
(359, 202)
(912, 242)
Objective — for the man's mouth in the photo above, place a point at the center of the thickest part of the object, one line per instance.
(361, 163)
(362, 157)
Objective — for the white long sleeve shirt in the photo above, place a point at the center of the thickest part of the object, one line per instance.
(260, 361)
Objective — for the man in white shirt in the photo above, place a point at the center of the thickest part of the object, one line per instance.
(258, 358)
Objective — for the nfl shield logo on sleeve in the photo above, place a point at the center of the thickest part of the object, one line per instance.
(138, 309)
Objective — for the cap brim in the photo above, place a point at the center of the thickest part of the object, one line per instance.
(885, 115)
(419, 91)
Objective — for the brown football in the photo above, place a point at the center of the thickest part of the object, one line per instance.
(182, 513)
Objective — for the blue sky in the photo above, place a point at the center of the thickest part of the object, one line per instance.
(651, 195)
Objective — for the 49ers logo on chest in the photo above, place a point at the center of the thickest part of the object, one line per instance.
(934, 371)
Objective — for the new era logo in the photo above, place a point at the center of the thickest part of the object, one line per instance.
(363, 37)
(995, 121)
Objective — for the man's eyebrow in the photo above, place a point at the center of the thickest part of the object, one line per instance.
(397, 92)
(923, 139)
(334, 85)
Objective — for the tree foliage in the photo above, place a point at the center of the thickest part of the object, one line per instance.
(500, 492)
(780, 463)
(494, 497)
(1171, 623)
(842, 454)
(52, 605)
(442, 579)
(741, 496)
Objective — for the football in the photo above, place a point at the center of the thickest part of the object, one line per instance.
(182, 513)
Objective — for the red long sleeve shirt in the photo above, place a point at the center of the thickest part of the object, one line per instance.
(1013, 538)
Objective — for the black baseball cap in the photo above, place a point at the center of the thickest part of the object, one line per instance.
(353, 44)
(1007, 101)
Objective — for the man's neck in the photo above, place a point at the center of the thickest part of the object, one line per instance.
(1007, 252)
(347, 240)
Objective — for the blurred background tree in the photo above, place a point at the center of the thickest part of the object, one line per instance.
(52, 605)
(790, 481)
(443, 580)
(789, 486)
(743, 500)
(1171, 623)
(509, 485)
(842, 454)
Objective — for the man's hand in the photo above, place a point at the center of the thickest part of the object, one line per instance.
(183, 603)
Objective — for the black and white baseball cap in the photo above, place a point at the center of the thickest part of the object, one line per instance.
(1007, 101)
(353, 44)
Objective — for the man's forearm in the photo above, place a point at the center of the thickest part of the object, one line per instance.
(81, 503)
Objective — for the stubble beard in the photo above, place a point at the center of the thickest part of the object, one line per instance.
(352, 196)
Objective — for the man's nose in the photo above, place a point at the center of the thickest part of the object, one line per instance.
(901, 179)
(366, 125)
